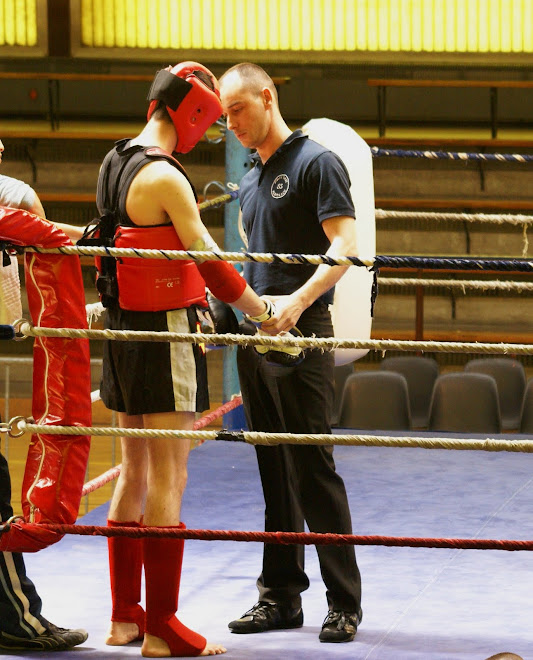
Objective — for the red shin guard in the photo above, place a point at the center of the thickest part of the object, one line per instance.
(163, 558)
(125, 569)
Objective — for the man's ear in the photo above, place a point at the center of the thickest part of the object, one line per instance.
(267, 97)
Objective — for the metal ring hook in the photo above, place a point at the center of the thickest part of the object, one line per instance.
(14, 422)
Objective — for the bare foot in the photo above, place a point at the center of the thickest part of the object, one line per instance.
(213, 649)
(155, 647)
(121, 633)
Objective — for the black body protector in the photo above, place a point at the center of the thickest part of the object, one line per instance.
(118, 170)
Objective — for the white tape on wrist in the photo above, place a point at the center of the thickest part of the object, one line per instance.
(267, 314)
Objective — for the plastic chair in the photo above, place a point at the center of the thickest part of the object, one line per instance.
(510, 377)
(376, 400)
(421, 374)
(341, 373)
(526, 417)
(465, 403)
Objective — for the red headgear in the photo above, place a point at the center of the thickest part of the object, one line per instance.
(191, 96)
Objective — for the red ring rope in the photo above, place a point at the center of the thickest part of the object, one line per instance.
(300, 538)
(201, 423)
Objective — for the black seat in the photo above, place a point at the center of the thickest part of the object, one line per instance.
(465, 402)
(421, 374)
(526, 418)
(341, 373)
(510, 377)
(377, 400)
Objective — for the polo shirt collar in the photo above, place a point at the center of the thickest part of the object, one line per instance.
(295, 135)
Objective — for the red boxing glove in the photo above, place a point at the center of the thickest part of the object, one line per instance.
(223, 280)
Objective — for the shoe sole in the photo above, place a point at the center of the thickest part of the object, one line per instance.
(298, 624)
(34, 649)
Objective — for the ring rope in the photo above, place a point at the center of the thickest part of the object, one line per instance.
(379, 152)
(322, 343)
(456, 263)
(457, 284)
(390, 214)
(201, 255)
(386, 214)
(219, 201)
(300, 538)
(492, 218)
(268, 439)
(204, 421)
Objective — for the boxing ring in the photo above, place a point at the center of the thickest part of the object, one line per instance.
(441, 601)
(432, 604)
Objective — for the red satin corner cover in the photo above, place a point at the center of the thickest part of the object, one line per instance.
(56, 464)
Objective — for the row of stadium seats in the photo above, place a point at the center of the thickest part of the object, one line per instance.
(491, 395)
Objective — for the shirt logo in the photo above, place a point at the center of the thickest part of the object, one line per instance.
(280, 187)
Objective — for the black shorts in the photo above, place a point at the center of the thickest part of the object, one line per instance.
(143, 377)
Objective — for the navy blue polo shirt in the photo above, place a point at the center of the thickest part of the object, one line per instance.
(283, 203)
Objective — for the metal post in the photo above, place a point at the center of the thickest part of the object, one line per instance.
(419, 323)
(7, 394)
(494, 112)
(237, 164)
(382, 109)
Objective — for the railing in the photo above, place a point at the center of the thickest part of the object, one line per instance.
(53, 79)
(492, 85)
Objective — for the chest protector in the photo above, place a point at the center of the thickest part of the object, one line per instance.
(152, 285)
(138, 284)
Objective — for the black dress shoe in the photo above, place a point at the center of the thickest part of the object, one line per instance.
(267, 616)
(340, 626)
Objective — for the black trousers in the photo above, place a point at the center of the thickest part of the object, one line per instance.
(300, 483)
(20, 604)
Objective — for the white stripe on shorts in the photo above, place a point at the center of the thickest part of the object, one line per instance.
(182, 363)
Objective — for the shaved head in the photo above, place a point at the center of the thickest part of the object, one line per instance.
(253, 77)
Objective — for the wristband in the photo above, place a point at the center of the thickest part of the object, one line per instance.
(222, 280)
(267, 314)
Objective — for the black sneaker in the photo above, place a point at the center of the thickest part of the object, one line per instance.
(340, 626)
(71, 637)
(53, 639)
(267, 616)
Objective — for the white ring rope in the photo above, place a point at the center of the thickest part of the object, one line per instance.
(321, 343)
(260, 438)
(202, 255)
(457, 284)
(494, 218)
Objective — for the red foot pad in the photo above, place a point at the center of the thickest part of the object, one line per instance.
(182, 641)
